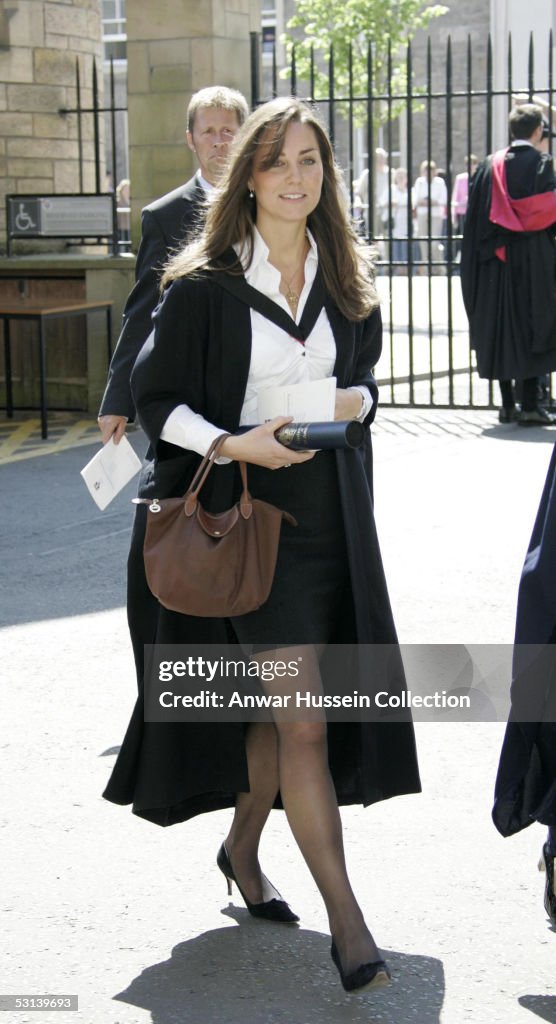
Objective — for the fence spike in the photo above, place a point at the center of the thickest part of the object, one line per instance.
(531, 68)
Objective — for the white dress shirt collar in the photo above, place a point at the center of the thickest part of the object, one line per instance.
(205, 185)
(260, 263)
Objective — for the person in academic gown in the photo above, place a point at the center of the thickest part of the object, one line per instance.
(214, 115)
(525, 789)
(276, 290)
(508, 266)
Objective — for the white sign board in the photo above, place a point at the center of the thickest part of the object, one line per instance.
(76, 215)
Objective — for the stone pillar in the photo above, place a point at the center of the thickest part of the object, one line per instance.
(39, 43)
(509, 20)
(174, 48)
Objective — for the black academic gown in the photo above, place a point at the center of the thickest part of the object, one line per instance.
(199, 354)
(511, 306)
(525, 789)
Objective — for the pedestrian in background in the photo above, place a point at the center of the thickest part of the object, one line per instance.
(460, 194)
(214, 115)
(361, 192)
(508, 266)
(123, 212)
(430, 200)
(276, 289)
(397, 200)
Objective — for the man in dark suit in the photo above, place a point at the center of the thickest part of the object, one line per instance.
(508, 266)
(214, 116)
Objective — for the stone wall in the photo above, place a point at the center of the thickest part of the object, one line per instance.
(174, 48)
(39, 43)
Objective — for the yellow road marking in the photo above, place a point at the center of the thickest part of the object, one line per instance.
(24, 441)
(21, 433)
(73, 434)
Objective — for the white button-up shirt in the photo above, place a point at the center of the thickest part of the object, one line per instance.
(276, 357)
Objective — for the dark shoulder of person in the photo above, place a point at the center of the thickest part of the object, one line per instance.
(545, 173)
(192, 290)
(525, 171)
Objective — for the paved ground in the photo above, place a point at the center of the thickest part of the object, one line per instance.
(135, 919)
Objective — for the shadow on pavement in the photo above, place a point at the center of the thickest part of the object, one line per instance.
(512, 432)
(543, 1006)
(260, 972)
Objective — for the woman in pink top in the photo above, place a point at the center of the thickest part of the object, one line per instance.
(460, 195)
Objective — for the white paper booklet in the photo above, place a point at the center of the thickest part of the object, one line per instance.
(312, 401)
(110, 470)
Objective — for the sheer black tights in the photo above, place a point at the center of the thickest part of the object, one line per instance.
(291, 756)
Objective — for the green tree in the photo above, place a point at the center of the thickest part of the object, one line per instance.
(349, 26)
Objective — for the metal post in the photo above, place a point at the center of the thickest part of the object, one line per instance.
(96, 116)
(350, 123)
(429, 218)
(255, 78)
(331, 96)
(274, 71)
(8, 369)
(79, 123)
(489, 140)
(531, 69)
(389, 241)
(370, 119)
(410, 240)
(449, 237)
(42, 378)
(114, 240)
(469, 151)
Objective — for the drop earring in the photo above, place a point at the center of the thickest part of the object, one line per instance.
(251, 194)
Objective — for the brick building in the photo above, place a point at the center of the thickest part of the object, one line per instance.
(39, 43)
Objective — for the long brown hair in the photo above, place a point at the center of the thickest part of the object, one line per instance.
(345, 263)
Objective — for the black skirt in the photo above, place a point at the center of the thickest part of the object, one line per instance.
(312, 582)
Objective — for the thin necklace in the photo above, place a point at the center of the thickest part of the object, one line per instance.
(291, 297)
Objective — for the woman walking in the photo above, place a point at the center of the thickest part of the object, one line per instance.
(276, 290)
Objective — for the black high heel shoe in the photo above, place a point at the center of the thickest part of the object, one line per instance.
(270, 910)
(363, 978)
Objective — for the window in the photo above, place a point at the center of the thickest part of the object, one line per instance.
(268, 38)
(114, 29)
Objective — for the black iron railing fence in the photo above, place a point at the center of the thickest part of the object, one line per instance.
(451, 109)
(455, 104)
(105, 138)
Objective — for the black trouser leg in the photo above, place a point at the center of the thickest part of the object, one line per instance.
(530, 400)
(507, 392)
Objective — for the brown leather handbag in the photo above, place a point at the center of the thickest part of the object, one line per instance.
(206, 564)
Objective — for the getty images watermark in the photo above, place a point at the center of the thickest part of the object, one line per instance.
(363, 682)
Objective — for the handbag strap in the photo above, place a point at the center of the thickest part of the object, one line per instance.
(203, 470)
(205, 466)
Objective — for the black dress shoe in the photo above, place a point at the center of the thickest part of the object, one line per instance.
(363, 978)
(549, 890)
(270, 910)
(507, 414)
(536, 418)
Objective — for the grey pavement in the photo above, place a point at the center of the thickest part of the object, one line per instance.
(134, 918)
